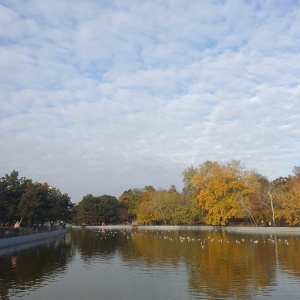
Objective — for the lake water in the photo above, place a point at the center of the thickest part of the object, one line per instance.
(154, 264)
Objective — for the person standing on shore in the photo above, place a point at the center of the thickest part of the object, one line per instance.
(17, 228)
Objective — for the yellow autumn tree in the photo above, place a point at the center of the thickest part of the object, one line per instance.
(221, 188)
(168, 207)
(145, 211)
(249, 198)
(288, 201)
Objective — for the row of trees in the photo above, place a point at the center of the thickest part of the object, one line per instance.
(228, 190)
(160, 206)
(214, 193)
(33, 202)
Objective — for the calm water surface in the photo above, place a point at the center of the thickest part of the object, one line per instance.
(120, 264)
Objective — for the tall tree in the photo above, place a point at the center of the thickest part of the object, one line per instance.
(129, 201)
(11, 190)
(249, 198)
(30, 204)
(106, 207)
(168, 207)
(220, 188)
(188, 180)
(269, 196)
(60, 204)
(35, 204)
(145, 211)
(86, 210)
(95, 210)
(21, 198)
(288, 195)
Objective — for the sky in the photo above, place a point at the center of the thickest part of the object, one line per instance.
(102, 96)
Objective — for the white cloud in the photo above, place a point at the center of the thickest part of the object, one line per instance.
(100, 97)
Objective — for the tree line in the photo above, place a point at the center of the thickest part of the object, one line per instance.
(214, 193)
(228, 191)
(31, 202)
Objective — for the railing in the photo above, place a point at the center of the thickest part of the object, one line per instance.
(7, 232)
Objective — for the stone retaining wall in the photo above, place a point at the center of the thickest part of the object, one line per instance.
(13, 241)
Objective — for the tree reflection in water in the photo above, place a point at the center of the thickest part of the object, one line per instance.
(31, 267)
(216, 264)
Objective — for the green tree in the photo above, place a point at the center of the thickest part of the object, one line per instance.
(29, 205)
(11, 191)
(95, 210)
(21, 198)
(60, 205)
(106, 207)
(86, 211)
(38, 203)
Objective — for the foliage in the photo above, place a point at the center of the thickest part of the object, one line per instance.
(11, 190)
(214, 193)
(145, 210)
(223, 190)
(288, 195)
(129, 201)
(188, 180)
(31, 202)
(59, 205)
(95, 210)
(167, 207)
(269, 197)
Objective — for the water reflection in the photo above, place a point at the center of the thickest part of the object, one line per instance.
(193, 264)
(94, 244)
(32, 267)
(219, 264)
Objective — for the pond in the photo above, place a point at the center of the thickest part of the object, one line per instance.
(154, 264)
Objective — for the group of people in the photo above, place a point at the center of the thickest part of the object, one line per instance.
(36, 228)
(265, 223)
(12, 230)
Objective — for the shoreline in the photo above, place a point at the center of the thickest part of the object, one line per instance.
(232, 229)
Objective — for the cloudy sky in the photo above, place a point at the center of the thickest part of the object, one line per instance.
(100, 96)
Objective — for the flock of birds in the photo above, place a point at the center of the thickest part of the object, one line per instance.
(203, 241)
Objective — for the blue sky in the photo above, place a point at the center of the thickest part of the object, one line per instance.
(103, 96)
